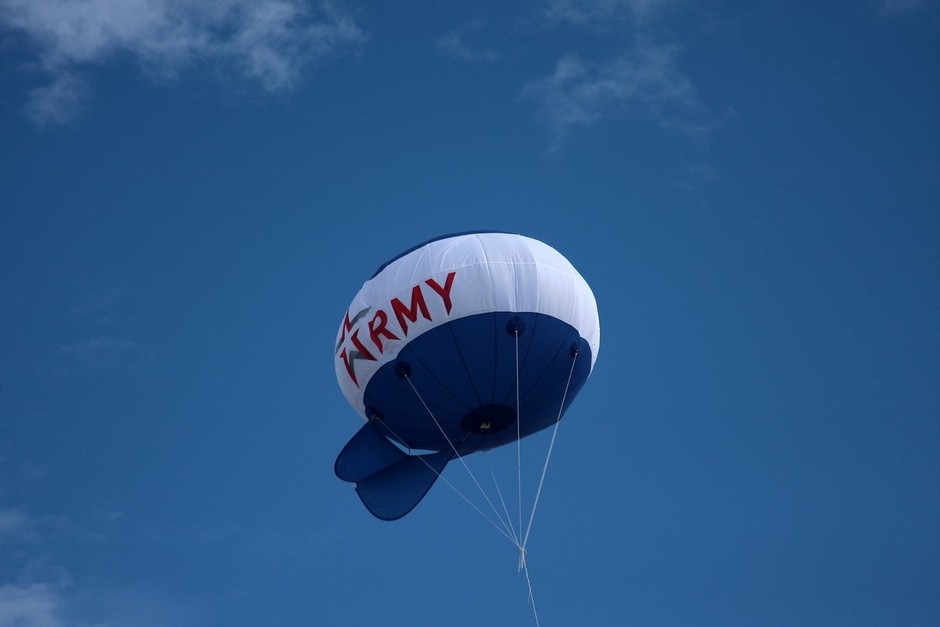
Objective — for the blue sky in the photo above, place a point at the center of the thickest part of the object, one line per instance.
(191, 196)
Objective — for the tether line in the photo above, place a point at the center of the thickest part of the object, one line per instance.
(518, 435)
(457, 454)
(528, 581)
(548, 457)
(507, 530)
(502, 501)
(511, 538)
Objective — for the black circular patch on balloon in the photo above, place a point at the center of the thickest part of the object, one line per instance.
(488, 419)
(402, 369)
(515, 326)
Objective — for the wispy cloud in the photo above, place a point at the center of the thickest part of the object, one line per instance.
(58, 102)
(645, 81)
(15, 477)
(271, 42)
(31, 604)
(455, 43)
(18, 528)
(99, 351)
(900, 7)
(39, 589)
(55, 604)
(601, 13)
(15, 527)
(102, 339)
(101, 306)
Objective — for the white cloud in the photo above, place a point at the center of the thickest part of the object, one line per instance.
(15, 526)
(19, 529)
(95, 353)
(601, 12)
(15, 477)
(40, 589)
(101, 345)
(30, 605)
(46, 604)
(34, 597)
(900, 7)
(101, 306)
(99, 350)
(121, 605)
(454, 43)
(644, 81)
(59, 102)
(272, 42)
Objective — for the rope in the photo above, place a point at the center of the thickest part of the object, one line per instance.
(528, 581)
(505, 509)
(507, 530)
(551, 446)
(457, 454)
(511, 538)
(518, 433)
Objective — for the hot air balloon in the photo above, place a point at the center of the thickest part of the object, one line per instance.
(462, 344)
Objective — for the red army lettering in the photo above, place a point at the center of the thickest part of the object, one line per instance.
(378, 325)
(444, 292)
(403, 313)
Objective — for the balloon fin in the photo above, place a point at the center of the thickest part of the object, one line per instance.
(368, 452)
(391, 493)
(389, 482)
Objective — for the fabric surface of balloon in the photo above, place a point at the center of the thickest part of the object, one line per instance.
(462, 344)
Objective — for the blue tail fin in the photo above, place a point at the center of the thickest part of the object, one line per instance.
(389, 482)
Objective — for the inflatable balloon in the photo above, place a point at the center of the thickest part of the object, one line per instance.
(462, 344)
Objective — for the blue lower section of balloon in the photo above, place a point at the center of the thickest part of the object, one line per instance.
(456, 385)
